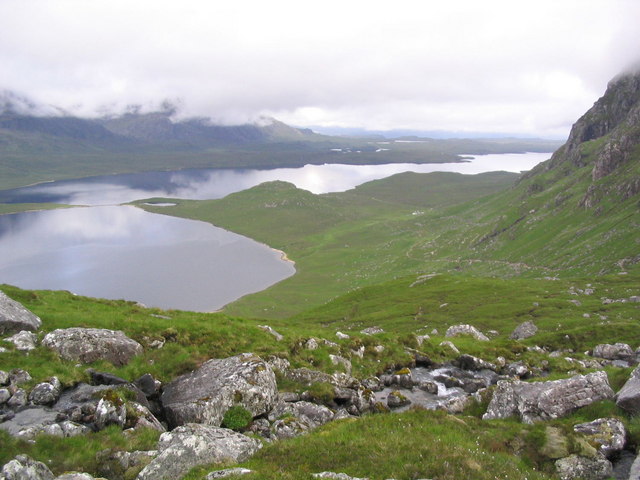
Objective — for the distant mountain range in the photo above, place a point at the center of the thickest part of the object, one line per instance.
(43, 142)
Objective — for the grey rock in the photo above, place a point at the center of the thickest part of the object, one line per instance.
(608, 434)
(24, 340)
(335, 476)
(628, 398)
(517, 369)
(18, 400)
(25, 468)
(105, 378)
(397, 400)
(28, 418)
(18, 376)
(524, 330)
(617, 351)
(5, 395)
(469, 362)
(203, 396)
(575, 467)
(148, 385)
(450, 345)
(288, 428)
(279, 364)
(547, 400)
(307, 377)
(338, 360)
(466, 330)
(88, 345)
(372, 331)
(4, 378)
(634, 471)
(311, 344)
(342, 336)
(227, 473)
(119, 465)
(402, 378)
(141, 417)
(14, 317)
(192, 445)
(46, 393)
(310, 413)
(107, 413)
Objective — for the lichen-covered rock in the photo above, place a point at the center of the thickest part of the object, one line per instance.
(617, 351)
(401, 378)
(466, 330)
(121, 465)
(46, 393)
(88, 345)
(575, 467)
(547, 400)
(19, 399)
(110, 413)
(335, 476)
(203, 396)
(288, 427)
(14, 317)
(76, 476)
(24, 340)
(608, 434)
(192, 445)
(4, 378)
(524, 330)
(24, 467)
(312, 414)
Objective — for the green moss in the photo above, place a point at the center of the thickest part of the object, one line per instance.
(237, 418)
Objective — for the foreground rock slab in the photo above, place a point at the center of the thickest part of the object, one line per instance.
(24, 467)
(203, 396)
(628, 398)
(193, 445)
(88, 345)
(539, 401)
(14, 317)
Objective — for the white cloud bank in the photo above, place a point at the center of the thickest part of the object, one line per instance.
(529, 67)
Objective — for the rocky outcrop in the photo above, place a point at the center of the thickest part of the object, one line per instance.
(24, 467)
(466, 330)
(575, 467)
(523, 331)
(203, 396)
(538, 401)
(192, 445)
(617, 351)
(88, 345)
(14, 317)
(24, 340)
(608, 434)
(628, 398)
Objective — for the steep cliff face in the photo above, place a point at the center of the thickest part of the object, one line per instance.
(606, 141)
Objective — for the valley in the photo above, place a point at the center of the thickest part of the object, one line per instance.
(530, 279)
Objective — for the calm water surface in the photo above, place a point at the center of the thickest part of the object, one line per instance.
(204, 184)
(123, 252)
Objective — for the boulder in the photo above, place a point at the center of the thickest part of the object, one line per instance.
(608, 434)
(4, 378)
(110, 413)
(25, 468)
(469, 362)
(271, 331)
(88, 345)
(335, 476)
(575, 467)
(46, 393)
(14, 317)
(203, 396)
(76, 476)
(193, 445)
(617, 351)
(288, 427)
(397, 400)
(24, 340)
(372, 331)
(547, 400)
(524, 330)
(628, 398)
(467, 330)
(17, 376)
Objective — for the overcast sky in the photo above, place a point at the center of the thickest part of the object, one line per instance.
(526, 67)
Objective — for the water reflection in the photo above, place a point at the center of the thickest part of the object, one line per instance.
(211, 183)
(124, 252)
